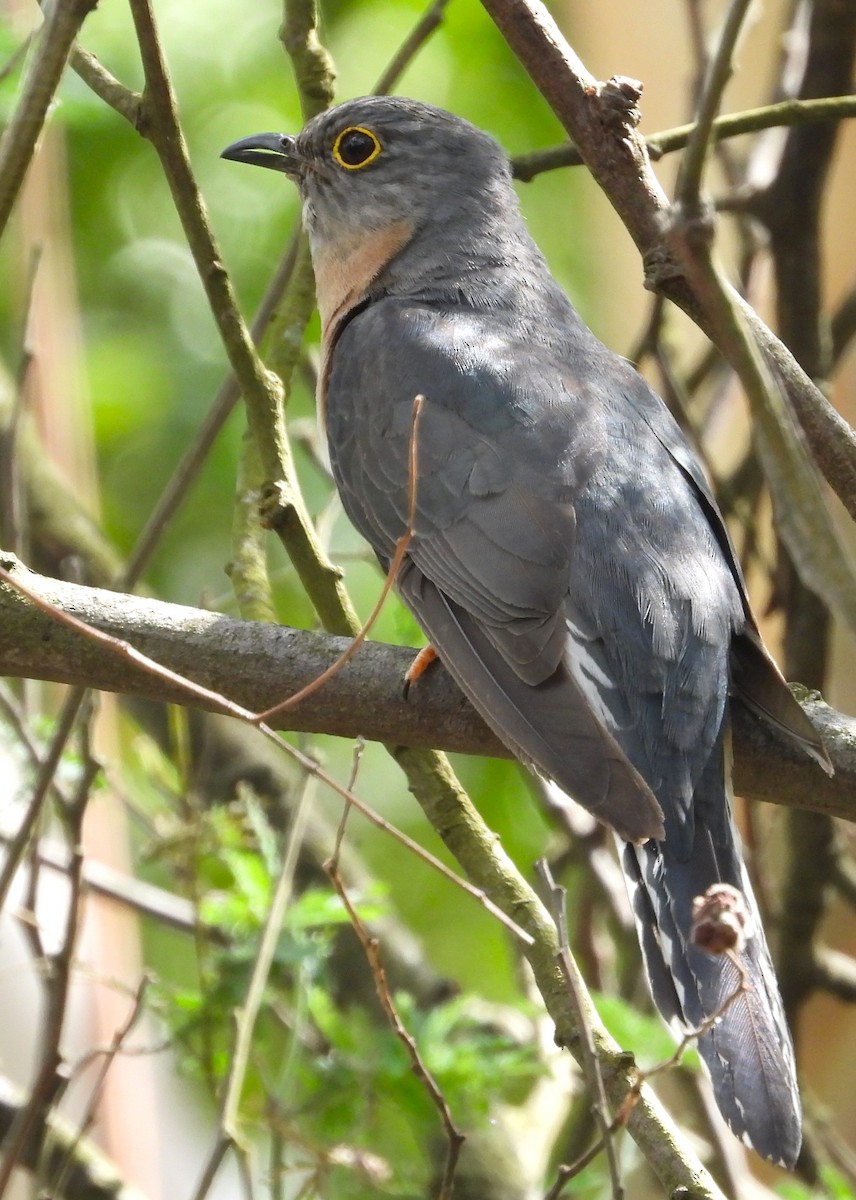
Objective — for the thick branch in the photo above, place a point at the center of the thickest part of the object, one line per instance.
(257, 665)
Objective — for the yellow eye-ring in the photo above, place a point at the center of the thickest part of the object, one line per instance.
(355, 147)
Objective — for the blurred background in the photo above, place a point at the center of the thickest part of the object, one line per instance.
(106, 334)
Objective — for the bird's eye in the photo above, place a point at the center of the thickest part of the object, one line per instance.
(355, 147)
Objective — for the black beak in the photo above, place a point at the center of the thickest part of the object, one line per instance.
(274, 150)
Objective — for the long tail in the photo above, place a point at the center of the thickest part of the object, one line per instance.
(748, 1051)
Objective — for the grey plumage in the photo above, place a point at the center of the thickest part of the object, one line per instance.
(567, 560)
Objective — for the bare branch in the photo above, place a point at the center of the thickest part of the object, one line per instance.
(753, 120)
(256, 664)
(50, 1075)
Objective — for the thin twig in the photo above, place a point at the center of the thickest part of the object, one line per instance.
(688, 189)
(359, 747)
(430, 20)
(59, 1173)
(588, 1051)
(692, 1036)
(371, 948)
(47, 771)
(568, 1171)
(754, 120)
(212, 1165)
(228, 1134)
(13, 714)
(50, 1076)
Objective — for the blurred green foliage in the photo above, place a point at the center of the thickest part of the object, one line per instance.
(326, 1066)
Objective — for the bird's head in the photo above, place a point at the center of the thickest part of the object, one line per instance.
(372, 163)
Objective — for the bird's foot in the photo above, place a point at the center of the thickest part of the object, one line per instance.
(419, 666)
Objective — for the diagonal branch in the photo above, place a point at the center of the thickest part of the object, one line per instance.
(263, 392)
(689, 185)
(601, 119)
